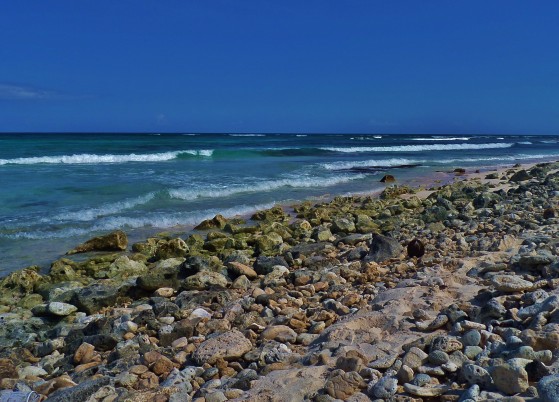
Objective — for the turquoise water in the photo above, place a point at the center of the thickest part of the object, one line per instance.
(60, 189)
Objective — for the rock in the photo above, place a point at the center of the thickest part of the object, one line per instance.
(426, 392)
(510, 283)
(161, 277)
(205, 279)
(471, 338)
(383, 248)
(84, 353)
(93, 298)
(416, 249)
(7, 369)
(548, 388)
(217, 221)
(123, 267)
(115, 241)
(238, 269)
(342, 225)
(384, 388)
(388, 179)
(80, 392)
(158, 363)
(521, 175)
(549, 213)
(474, 374)
(415, 358)
(264, 264)
(510, 378)
(342, 385)
(280, 333)
(22, 281)
(229, 346)
(61, 309)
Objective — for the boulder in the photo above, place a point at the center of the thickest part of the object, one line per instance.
(173, 248)
(230, 345)
(383, 248)
(521, 175)
(115, 241)
(217, 222)
(205, 279)
(388, 179)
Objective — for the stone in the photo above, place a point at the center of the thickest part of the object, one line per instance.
(438, 357)
(510, 378)
(383, 248)
(205, 279)
(115, 241)
(80, 392)
(415, 358)
(548, 388)
(84, 353)
(238, 269)
(217, 221)
(22, 281)
(342, 225)
(280, 333)
(384, 388)
(425, 392)
(549, 213)
(93, 298)
(510, 283)
(474, 374)
(229, 346)
(174, 248)
(61, 309)
(521, 175)
(342, 385)
(471, 338)
(388, 178)
(7, 369)
(158, 363)
(416, 248)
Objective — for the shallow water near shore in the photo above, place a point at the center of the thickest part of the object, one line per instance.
(60, 189)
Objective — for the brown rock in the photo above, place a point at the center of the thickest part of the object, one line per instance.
(238, 269)
(388, 179)
(416, 248)
(138, 369)
(115, 241)
(84, 353)
(158, 363)
(280, 333)
(230, 346)
(342, 385)
(48, 387)
(86, 366)
(148, 380)
(7, 369)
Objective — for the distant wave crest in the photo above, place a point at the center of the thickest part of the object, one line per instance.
(442, 139)
(369, 163)
(419, 148)
(307, 182)
(108, 158)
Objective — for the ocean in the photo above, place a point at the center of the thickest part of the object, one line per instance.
(57, 190)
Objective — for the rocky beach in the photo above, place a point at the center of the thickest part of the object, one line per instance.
(450, 293)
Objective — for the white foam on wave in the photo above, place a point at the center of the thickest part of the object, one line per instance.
(91, 214)
(305, 182)
(108, 158)
(498, 158)
(442, 139)
(369, 163)
(153, 220)
(525, 143)
(301, 135)
(419, 148)
(247, 135)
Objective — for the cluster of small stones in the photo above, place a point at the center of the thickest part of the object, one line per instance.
(305, 304)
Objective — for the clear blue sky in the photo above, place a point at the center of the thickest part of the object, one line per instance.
(280, 66)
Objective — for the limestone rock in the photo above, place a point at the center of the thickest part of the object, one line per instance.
(205, 279)
(115, 241)
(61, 309)
(548, 388)
(229, 346)
(510, 283)
(510, 378)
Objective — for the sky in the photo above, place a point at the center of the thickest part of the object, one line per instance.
(359, 66)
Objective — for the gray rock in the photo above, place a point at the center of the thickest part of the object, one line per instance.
(548, 388)
(205, 279)
(510, 283)
(61, 309)
(229, 346)
(383, 248)
(385, 388)
(471, 338)
(80, 392)
(475, 374)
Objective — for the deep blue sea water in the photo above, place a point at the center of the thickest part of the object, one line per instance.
(57, 190)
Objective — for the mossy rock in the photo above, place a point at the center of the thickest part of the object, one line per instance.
(22, 281)
(276, 214)
(147, 248)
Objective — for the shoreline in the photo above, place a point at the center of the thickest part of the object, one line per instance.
(298, 303)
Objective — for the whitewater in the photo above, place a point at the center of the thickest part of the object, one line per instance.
(60, 189)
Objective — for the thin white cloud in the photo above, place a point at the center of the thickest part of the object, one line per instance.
(19, 92)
